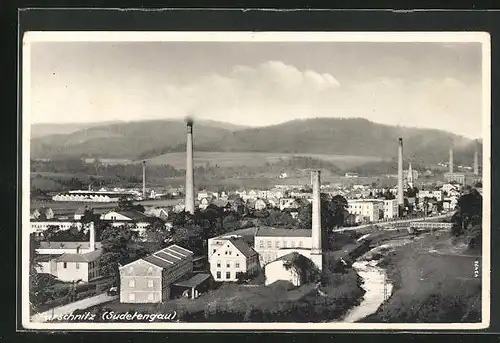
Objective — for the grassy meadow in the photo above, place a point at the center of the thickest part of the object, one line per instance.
(250, 159)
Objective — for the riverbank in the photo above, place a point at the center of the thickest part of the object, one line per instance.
(433, 281)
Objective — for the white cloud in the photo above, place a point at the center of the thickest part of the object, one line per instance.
(263, 94)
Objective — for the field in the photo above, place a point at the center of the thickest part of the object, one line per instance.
(434, 282)
(73, 206)
(250, 159)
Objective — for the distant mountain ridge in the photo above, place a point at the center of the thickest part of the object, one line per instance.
(354, 137)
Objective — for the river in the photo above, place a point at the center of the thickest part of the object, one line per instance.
(375, 283)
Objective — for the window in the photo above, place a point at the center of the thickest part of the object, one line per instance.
(293, 244)
(228, 275)
(131, 283)
(77, 265)
(300, 244)
(261, 243)
(269, 244)
(150, 283)
(285, 245)
(277, 244)
(218, 275)
(151, 296)
(150, 270)
(65, 265)
(237, 264)
(218, 264)
(131, 296)
(228, 264)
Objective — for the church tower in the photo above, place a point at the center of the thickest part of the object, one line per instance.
(409, 177)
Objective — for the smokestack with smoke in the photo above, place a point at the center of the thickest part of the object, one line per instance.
(316, 248)
(189, 207)
(400, 174)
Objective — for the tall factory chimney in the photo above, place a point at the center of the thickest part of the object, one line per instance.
(189, 169)
(476, 159)
(401, 201)
(92, 236)
(144, 179)
(451, 160)
(316, 248)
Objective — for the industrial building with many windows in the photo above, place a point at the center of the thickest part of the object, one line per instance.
(149, 279)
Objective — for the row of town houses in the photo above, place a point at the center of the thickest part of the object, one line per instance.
(238, 255)
(363, 206)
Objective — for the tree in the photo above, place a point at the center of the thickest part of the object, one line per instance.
(89, 216)
(277, 218)
(125, 204)
(157, 234)
(215, 216)
(467, 220)
(33, 272)
(388, 195)
(50, 232)
(338, 207)
(332, 215)
(119, 247)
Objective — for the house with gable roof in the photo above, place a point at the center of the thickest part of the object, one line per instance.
(149, 279)
(232, 260)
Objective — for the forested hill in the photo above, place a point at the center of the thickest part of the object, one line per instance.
(355, 137)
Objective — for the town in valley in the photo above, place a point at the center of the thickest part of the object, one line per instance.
(291, 252)
(255, 182)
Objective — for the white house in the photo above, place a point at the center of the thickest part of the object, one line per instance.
(42, 211)
(271, 243)
(288, 203)
(232, 259)
(40, 226)
(286, 268)
(438, 194)
(157, 212)
(71, 261)
(204, 202)
(391, 209)
(368, 209)
(451, 189)
(261, 204)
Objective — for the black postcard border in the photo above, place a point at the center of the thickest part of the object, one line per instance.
(257, 20)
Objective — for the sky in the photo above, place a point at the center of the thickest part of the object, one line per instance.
(430, 85)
